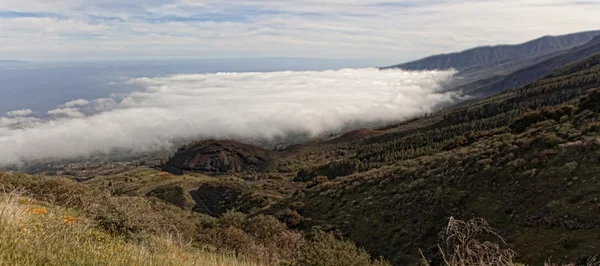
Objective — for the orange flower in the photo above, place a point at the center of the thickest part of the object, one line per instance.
(181, 255)
(38, 211)
(69, 220)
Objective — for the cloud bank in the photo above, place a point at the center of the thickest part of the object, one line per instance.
(222, 105)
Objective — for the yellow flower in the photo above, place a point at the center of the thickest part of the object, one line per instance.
(38, 211)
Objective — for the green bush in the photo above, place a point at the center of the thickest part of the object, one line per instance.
(324, 249)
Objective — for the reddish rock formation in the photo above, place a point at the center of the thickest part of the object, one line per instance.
(216, 156)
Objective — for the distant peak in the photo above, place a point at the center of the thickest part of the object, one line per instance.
(490, 55)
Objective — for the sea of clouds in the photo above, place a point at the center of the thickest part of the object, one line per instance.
(245, 106)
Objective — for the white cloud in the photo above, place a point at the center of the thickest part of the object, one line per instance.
(228, 105)
(19, 113)
(75, 103)
(17, 122)
(66, 112)
(46, 25)
(103, 104)
(395, 30)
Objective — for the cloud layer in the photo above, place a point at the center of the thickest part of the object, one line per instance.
(222, 105)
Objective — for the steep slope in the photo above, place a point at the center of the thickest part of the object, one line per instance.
(488, 55)
(526, 160)
(533, 72)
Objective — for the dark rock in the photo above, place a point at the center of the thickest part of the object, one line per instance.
(219, 157)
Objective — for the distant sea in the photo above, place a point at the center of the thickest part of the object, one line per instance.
(41, 86)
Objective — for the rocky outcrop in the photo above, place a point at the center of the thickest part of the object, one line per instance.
(219, 157)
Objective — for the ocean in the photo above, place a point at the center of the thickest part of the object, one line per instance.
(41, 86)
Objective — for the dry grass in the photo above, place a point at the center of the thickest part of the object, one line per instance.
(145, 231)
(33, 233)
(593, 261)
(463, 246)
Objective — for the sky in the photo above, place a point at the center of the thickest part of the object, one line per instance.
(390, 30)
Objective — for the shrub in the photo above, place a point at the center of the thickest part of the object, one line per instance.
(571, 166)
(591, 101)
(264, 228)
(532, 117)
(291, 217)
(547, 140)
(462, 245)
(170, 194)
(569, 242)
(232, 219)
(324, 249)
(318, 180)
(526, 120)
(261, 237)
(331, 171)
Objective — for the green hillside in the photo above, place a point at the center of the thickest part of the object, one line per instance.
(56, 221)
(525, 160)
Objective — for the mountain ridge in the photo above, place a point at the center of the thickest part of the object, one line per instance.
(536, 71)
(486, 55)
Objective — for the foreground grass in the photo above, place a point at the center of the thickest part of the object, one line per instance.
(104, 229)
(32, 233)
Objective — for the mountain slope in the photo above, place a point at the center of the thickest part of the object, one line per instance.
(526, 160)
(488, 55)
(533, 72)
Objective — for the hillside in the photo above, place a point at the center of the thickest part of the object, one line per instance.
(53, 221)
(533, 72)
(56, 221)
(489, 55)
(38, 233)
(526, 160)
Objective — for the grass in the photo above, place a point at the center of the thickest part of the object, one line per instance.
(476, 243)
(56, 221)
(33, 233)
(146, 182)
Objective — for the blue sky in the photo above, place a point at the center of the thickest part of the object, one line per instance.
(393, 30)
